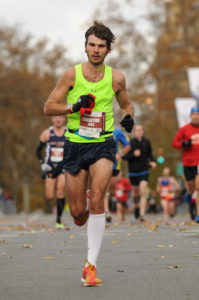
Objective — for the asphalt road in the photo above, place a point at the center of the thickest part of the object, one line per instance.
(140, 262)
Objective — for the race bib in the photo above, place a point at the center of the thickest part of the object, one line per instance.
(195, 138)
(119, 193)
(92, 125)
(56, 154)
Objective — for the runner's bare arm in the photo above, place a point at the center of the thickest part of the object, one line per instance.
(119, 87)
(53, 105)
(126, 149)
(175, 184)
(44, 137)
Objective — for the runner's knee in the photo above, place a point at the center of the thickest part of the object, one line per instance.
(197, 186)
(60, 192)
(77, 212)
(49, 196)
(142, 193)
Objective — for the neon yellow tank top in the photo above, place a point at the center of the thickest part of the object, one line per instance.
(103, 91)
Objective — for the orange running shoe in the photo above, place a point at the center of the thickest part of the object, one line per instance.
(81, 220)
(89, 276)
(83, 274)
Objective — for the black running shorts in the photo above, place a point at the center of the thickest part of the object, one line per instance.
(191, 172)
(124, 204)
(55, 172)
(135, 180)
(79, 156)
(115, 173)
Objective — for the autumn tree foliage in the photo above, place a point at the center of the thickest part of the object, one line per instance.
(28, 72)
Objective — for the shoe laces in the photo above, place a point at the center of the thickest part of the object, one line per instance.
(92, 267)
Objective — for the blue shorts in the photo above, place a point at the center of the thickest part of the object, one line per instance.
(79, 156)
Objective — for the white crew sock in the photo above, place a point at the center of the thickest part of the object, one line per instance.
(95, 232)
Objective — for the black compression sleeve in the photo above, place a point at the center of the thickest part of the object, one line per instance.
(40, 146)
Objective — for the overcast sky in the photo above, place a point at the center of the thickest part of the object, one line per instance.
(62, 21)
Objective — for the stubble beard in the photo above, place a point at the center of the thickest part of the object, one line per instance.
(97, 63)
(195, 123)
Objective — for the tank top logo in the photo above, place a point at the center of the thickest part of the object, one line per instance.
(93, 91)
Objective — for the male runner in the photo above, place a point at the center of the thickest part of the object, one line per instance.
(122, 148)
(90, 147)
(53, 138)
(187, 139)
(140, 158)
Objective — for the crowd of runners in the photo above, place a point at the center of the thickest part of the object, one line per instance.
(84, 157)
(129, 192)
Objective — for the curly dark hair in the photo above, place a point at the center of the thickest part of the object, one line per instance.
(102, 32)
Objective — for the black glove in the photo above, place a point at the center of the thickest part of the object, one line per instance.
(187, 143)
(83, 101)
(124, 157)
(127, 122)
